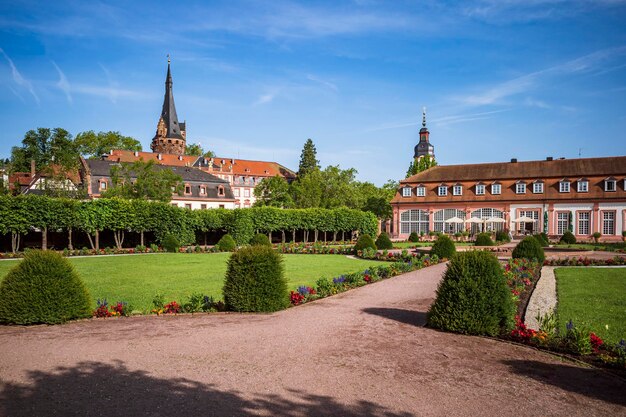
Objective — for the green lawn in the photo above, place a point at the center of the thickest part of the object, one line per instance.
(593, 298)
(610, 247)
(137, 279)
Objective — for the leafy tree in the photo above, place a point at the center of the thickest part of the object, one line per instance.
(45, 147)
(379, 206)
(94, 145)
(307, 190)
(308, 161)
(195, 149)
(273, 192)
(420, 164)
(143, 180)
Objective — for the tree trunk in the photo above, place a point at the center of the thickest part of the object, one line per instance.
(15, 241)
(44, 238)
(293, 236)
(97, 241)
(118, 235)
(325, 240)
(141, 238)
(91, 241)
(269, 236)
(205, 239)
(316, 234)
(283, 233)
(306, 236)
(69, 239)
(343, 236)
(334, 236)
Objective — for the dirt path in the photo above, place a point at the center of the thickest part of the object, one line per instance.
(361, 353)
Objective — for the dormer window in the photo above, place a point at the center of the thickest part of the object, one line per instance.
(480, 189)
(457, 189)
(538, 187)
(496, 188)
(187, 189)
(406, 192)
(220, 191)
(582, 185)
(103, 185)
(202, 190)
(520, 188)
(610, 184)
(564, 186)
(421, 191)
(442, 190)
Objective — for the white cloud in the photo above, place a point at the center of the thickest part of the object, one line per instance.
(322, 82)
(19, 79)
(63, 83)
(265, 98)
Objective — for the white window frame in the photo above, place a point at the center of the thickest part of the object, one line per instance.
(583, 186)
(562, 224)
(406, 191)
(608, 223)
(564, 186)
(538, 188)
(457, 190)
(480, 189)
(496, 189)
(442, 191)
(103, 185)
(236, 192)
(421, 191)
(520, 188)
(246, 193)
(606, 185)
(584, 223)
(202, 190)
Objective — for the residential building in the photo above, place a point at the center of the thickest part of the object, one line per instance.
(584, 195)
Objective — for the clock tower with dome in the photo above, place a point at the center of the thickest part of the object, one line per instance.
(424, 147)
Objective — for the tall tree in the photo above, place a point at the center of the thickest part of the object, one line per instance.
(308, 161)
(46, 147)
(94, 145)
(420, 164)
(143, 180)
(273, 192)
(195, 149)
(307, 190)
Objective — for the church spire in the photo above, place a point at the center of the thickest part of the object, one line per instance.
(424, 147)
(170, 135)
(423, 116)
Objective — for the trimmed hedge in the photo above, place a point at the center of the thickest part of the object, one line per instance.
(443, 247)
(383, 241)
(529, 248)
(260, 239)
(255, 281)
(364, 241)
(483, 239)
(414, 237)
(43, 288)
(171, 243)
(226, 244)
(542, 238)
(568, 238)
(473, 297)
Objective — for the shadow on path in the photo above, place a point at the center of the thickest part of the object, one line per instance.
(573, 379)
(414, 318)
(101, 389)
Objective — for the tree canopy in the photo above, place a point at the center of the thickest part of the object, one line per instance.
(420, 164)
(195, 149)
(94, 145)
(308, 159)
(143, 180)
(46, 147)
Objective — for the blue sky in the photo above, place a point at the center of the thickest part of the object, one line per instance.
(254, 80)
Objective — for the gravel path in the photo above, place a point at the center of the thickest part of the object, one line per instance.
(361, 353)
(543, 299)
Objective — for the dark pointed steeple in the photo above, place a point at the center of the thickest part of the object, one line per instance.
(424, 147)
(169, 109)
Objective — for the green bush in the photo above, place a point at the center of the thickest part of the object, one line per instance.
(473, 297)
(383, 241)
(596, 236)
(226, 244)
(502, 236)
(443, 247)
(483, 239)
(255, 280)
(568, 238)
(43, 288)
(529, 248)
(542, 238)
(414, 237)
(365, 241)
(260, 239)
(171, 243)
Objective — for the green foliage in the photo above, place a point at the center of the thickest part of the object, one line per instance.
(45, 147)
(94, 145)
(195, 149)
(171, 243)
(568, 238)
(596, 236)
(443, 247)
(260, 239)
(43, 288)
(364, 241)
(420, 164)
(308, 161)
(529, 248)
(483, 239)
(473, 297)
(143, 180)
(255, 281)
(502, 236)
(273, 192)
(542, 239)
(226, 244)
(414, 237)
(383, 241)
(241, 226)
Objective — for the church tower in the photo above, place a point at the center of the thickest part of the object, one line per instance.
(170, 136)
(424, 147)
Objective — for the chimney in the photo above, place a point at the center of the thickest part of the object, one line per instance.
(513, 160)
(136, 153)
(111, 151)
(33, 169)
(549, 158)
(159, 157)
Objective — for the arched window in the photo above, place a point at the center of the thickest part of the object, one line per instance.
(414, 221)
(441, 223)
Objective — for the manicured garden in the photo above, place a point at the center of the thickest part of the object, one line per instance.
(593, 298)
(137, 279)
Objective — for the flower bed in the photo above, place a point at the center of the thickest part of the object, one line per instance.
(315, 248)
(580, 261)
(521, 276)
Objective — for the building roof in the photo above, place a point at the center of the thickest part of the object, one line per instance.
(100, 167)
(169, 109)
(118, 155)
(523, 170)
(259, 168)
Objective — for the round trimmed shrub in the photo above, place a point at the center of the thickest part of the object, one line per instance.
(255, 281)
(383, 241)
(502, 236)
(483, 239)
(443, 247)
(43, 288)
(414, 237)
(542, 238)
(260, 239)
(365, 241)
(226, 244)
(171, 243)
(473, 297)
(568, 238)
(529, 248)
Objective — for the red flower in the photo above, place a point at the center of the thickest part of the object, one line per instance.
(596, 342)
(296, 298)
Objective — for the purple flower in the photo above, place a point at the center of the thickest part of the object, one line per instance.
(339, 280)
(570, 325)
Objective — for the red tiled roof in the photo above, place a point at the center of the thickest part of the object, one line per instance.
(257, 168)
(20, 178)
(119, 155)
